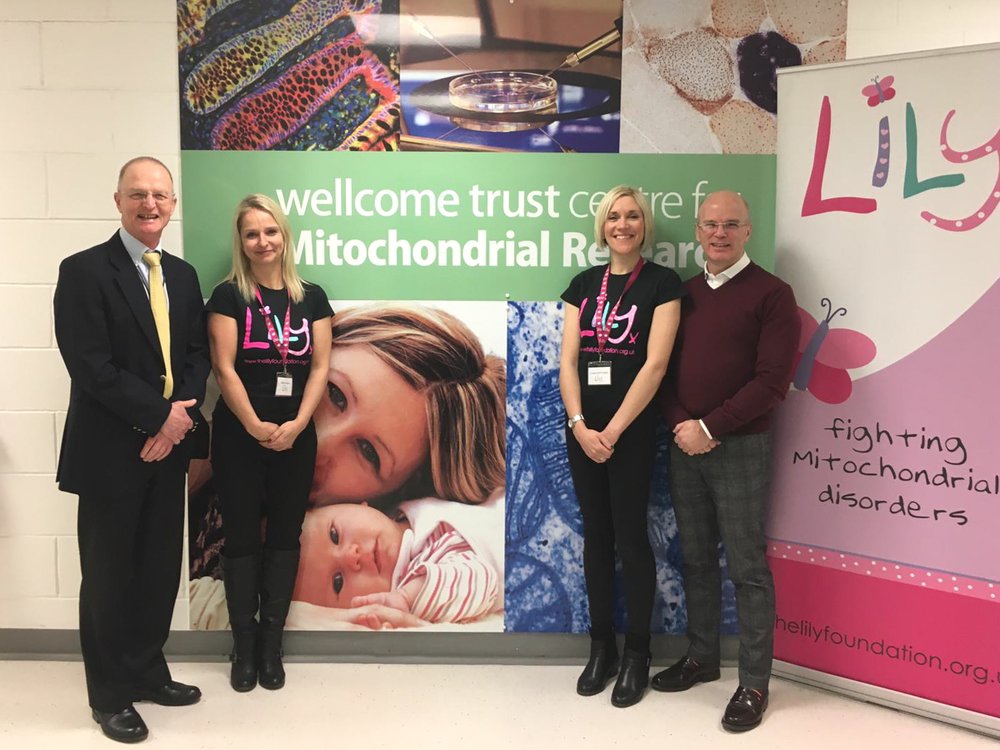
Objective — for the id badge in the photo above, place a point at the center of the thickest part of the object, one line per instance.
(598, 373)
(283, 386)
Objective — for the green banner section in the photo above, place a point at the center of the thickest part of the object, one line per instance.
(432, 226)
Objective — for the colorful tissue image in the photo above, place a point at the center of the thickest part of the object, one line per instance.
(292, 76)
(708, 69)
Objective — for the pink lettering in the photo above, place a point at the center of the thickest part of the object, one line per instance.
(814, 203)
(247, 343)
(986, 210)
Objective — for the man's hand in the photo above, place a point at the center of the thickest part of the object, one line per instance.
(157, 448)
(178, 422)
(691, 438)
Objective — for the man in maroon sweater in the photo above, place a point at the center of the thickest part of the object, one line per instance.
(731, 366)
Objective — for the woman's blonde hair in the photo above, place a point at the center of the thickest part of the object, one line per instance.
(240, 273)
(604, 208)
(466, 391)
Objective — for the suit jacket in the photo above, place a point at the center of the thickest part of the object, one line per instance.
(107, 337)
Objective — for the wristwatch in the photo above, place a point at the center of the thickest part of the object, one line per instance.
(574, 419)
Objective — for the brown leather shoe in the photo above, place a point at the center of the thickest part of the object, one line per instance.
(745, 710)
(683, 675)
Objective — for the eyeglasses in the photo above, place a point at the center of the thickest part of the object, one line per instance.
(728, 226)
(140, 196)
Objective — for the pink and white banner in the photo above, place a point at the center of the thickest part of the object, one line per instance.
(886, 506)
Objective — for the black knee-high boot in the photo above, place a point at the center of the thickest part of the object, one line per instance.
(242, 581)
(277, 581)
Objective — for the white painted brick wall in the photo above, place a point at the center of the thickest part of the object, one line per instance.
(32, 505)
(27, 440)
(87, 84)
(28, 331)
(888, 27)
(33, 560)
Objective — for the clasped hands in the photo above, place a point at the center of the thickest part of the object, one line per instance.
(691, 438)
(597, 445)
(175, 427)
(277, 437)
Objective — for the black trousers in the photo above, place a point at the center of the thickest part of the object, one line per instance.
(131, 543)
(614, 499)
(255, 482)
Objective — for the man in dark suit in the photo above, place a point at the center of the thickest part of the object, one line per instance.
(131, 427)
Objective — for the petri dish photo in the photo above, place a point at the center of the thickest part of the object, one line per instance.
(503, 92)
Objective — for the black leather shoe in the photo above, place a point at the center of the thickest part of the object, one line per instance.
(632, 680)
(169, 694)
(683, 675)
(124, 726)
(745, 710)
(601, 667)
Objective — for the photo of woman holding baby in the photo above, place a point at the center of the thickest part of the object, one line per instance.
(407, 487)
(413, 427)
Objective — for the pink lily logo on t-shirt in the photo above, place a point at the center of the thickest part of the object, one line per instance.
(294, 335)
(618, 332)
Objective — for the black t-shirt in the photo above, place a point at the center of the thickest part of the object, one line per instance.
(626, 346)
(258, 361)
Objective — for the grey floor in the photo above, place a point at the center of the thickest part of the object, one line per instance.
(445, 707)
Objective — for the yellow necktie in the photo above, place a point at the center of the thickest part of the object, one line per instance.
(158, 302)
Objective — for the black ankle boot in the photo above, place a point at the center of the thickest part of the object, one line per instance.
(632, 679)
(277, 581)
(601, 667)
(242, 581)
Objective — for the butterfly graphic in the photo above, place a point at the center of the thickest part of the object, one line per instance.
(825, 356)
(879, 91)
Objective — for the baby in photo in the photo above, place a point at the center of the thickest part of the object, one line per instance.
(424, 558)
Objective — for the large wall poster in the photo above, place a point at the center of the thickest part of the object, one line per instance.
(887, 487)
(491, 238)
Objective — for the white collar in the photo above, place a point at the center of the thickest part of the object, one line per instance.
(722, 277)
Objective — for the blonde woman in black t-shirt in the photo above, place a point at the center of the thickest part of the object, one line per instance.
(620, 323)
(270, 337)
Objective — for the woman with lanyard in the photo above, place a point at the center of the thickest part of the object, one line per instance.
(620, 323)
(270, 337)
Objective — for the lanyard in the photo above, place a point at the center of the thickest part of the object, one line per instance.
(281, 344)
(603, 334)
